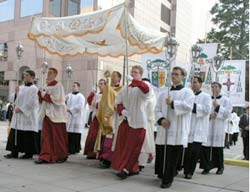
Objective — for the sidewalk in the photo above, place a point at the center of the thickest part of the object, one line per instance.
(79, 174)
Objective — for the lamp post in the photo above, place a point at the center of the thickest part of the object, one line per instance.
(196, 52)
(69, 72)
(19, 53)
(217, 63)
(171, 49)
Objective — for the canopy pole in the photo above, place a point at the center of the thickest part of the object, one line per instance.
(126, 43)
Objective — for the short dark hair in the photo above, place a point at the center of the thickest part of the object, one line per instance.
(217, 83)
(54, 70)
(77, 83)
(199, 79)
(31, 73)
(183, 71)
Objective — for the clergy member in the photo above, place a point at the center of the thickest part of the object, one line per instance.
(24, 124)
(173, 112)
(75, 102)
(107, 117)
(131, 132)
(212, 149)
(93, 100)
(199, 127)
(54, 147)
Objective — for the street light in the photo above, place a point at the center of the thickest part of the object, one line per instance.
(196, 52)
(69, 72)
(19, 50)
(171, 45)
(217, 64)
(19, 53)
(171, 49)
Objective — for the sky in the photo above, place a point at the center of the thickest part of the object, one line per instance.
(201, 17)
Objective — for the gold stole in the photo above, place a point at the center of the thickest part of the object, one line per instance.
(106, 109)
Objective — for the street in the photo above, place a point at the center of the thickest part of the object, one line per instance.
(79, 174)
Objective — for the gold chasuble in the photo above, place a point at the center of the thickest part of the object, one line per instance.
(105, 113)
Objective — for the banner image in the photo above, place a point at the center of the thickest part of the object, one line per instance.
(232, 78)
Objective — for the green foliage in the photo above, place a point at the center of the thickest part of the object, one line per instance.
(232, 22)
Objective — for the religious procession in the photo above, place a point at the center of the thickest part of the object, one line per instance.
(126, 86)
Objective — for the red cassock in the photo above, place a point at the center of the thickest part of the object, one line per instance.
(54, 137)
(54, 141)
(91, 139)
(128, 148)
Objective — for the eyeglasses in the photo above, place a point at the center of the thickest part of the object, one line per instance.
(175, 74)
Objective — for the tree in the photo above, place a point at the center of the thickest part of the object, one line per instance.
(231, 19)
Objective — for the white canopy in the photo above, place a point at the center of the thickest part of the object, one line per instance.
(100, 33)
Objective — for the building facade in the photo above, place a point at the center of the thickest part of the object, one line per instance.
(161, 15)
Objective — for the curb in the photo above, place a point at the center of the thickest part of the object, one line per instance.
(236, 162)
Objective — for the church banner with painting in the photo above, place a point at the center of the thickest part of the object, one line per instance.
(156, 69)
(232, 77)
(203, 66)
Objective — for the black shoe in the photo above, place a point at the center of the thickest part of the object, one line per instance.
(220, 171)
(89, 157)
(133, 173)
(26, 156)
(62, 161)
(167, 185)
(11, 156)
(41, 161)
(141, 168)
(122, 175)
(104, 166)
(188, 176)
(205, 172)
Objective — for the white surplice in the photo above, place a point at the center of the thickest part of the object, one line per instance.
(217, 126)
(179, 117)
(134, 102)
(27, 101)
(200, 119)
(75, 104)
(55, 111)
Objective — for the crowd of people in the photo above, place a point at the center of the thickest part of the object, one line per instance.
(192, 125)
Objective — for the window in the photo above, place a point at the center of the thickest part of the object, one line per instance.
(87, 6)
(73, 7)
(7, 10)
(56, 7)
(3, 51)
(31, 7)
(2, 81)
(165, 14)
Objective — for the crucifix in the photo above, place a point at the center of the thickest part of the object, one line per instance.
(228, 83)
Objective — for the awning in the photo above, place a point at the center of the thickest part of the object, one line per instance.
(101, 33)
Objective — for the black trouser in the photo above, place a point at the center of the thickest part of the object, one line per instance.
(173, 154)
(217, 160)
(74, 142)
(246, 146)
(192, 154)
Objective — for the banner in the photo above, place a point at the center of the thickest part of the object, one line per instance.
(232, 77)
(156, 69)
(203, 66)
